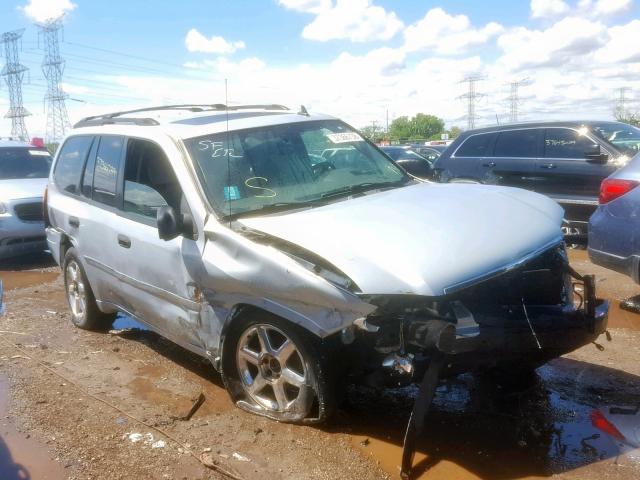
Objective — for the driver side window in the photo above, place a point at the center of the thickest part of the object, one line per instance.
(149, 180)
(565, 143)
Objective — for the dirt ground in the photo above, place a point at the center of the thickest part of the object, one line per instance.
(82, 426)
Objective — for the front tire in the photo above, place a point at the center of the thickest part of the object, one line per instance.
(277, 369)
(85, 313)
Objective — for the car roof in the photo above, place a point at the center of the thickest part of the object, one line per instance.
(13, 143)
(183, 122)
(536, 124)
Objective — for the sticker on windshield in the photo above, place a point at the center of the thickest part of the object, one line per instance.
(345, 137)
(231, 192)
(42, 153)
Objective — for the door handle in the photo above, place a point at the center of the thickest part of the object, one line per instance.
(490, 164)
(74, 222)
(124, 241)
(548, 165)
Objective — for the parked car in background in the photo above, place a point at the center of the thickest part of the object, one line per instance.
(24, 169)
(566, 161)
(216, 228)
(412, 162)
(430, 152)
(614, 228)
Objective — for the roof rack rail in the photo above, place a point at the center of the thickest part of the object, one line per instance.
(98, 121)
(116, 117)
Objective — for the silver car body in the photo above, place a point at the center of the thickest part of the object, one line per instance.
(425, 239)
(21, 226)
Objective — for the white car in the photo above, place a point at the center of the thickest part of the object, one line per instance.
(222, 229)
(24, 169)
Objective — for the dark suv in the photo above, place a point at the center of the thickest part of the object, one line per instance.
(564, 160)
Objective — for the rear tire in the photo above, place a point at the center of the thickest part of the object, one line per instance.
(85, 313)
(276, 369)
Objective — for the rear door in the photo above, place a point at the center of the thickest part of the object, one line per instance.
(98, 218)
(466, 162)
(513, 160)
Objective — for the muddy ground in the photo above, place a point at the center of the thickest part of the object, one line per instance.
(59, 428)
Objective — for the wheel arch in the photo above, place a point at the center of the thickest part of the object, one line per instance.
(241, 310)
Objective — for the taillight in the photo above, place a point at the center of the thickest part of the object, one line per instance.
(45, 209)
(612, 188)
(37, 142)
(599, 421)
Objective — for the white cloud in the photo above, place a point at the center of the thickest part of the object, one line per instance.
(564, 42)
(446, 34)
(612, 7)
(382, 62)
(306, 6)
(74, 89)
(197, 42)
(42, 10)
(356, 20)
(548, 8)
(623, 45)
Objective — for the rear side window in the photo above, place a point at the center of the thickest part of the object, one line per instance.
(24, 162)
(517, 143)
(476, 145)
(105, 177)
(70, 163)
(565, 143)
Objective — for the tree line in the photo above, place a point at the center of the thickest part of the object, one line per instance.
(421, 127)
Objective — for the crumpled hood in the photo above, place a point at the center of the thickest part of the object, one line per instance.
(422, 239)
(14, 189)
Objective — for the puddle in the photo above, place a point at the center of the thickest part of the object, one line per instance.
(123, 322)
(23, 458)
(476, 432)
(27, 278)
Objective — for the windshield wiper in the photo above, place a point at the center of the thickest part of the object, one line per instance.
(362, 187)
(322, 200)
(270, 208)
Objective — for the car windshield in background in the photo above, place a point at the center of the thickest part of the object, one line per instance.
(625, 138)
(402, 154)
(22, 162)
(288, 166)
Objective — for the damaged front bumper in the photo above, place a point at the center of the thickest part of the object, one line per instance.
(521, 320)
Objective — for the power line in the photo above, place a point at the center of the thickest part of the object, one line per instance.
(472, 96)
(13, 73)
(113, 52)
(53, 67)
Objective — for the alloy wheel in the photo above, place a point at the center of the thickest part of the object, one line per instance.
(76, 292)
(271, 369)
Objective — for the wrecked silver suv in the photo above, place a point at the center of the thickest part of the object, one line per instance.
(296, 256)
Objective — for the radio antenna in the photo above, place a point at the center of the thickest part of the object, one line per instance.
(228, 190)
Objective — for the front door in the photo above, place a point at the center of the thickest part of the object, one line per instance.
(565, 171)
(159, 288)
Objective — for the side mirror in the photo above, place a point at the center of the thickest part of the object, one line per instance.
(594, 154)
(168, 225)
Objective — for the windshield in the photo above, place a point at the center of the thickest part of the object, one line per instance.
(24, 162)
(288, 166)
(625, 138)
(402, 154)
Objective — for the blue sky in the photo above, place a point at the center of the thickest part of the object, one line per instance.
(355, 59)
